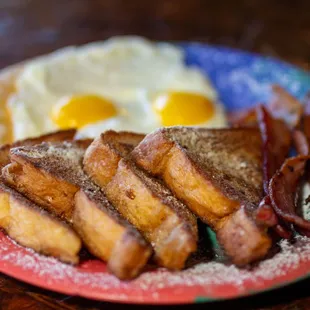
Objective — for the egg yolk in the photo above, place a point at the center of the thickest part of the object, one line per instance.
(182, 108)
(78, 111)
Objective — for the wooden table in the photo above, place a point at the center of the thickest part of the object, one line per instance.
(32, 27)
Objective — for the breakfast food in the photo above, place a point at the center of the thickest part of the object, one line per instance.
(102, 156)
(53, 183)
(125, 83)
(33, 227)
(108, 236)
(134, 197)
(218, 174)
(163, 220)
(51, 175)
(28, 223)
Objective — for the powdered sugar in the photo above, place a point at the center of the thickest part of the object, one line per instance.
(96, 281)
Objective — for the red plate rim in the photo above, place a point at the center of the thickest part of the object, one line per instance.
(91, 279)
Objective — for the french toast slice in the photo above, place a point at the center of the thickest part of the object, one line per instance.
(102, 156)
(163, 220)
(108, 236)
(33, 227)
(218, 174)
(51, 174)
(46, 174)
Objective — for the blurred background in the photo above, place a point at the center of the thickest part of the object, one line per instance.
(279, 28)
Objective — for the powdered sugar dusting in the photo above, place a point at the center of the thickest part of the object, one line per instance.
(93, 275)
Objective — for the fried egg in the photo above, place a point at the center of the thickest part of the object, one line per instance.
(124, 83)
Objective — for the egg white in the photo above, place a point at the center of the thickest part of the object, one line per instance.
(126, 70)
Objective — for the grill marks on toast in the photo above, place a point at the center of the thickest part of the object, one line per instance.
(52, 176)
(215, 172)
(163, 220)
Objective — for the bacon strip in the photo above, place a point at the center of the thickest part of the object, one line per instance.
(283, 191)
(265, 214)
(301, 142)
(283, 106)
(286, 107)
(306, 117)
(276, 139)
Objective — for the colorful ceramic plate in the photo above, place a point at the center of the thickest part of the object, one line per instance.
(242, 80)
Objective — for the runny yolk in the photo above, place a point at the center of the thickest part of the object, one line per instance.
(183, 108)
(81, 110)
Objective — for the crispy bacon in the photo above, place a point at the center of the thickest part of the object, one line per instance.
(276, 139)
(283, 232)
(276, 121)
(300, 142)
(283, 191)
(306, 117)
(282, 106)
(286, 107)
(265, 214)
(266, 217)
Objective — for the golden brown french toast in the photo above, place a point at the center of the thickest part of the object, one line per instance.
(51, 174)
(215, 172)
(108, 235)
(102, 156)
(33, 227)
(46, 174)
(163, 220)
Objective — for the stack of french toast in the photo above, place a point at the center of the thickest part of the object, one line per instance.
(130, 198)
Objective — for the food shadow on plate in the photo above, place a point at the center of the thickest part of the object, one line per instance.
(208, 250)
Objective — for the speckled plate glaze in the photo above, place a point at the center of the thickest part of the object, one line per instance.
(242, 80)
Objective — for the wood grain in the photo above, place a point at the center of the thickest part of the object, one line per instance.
(271, 27)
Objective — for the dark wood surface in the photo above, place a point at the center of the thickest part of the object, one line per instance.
(32, 27)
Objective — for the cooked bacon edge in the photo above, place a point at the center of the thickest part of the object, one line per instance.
(300, 142)
(276, 138)
(283, 191)
(286, 107)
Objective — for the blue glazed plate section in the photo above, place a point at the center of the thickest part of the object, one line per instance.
(243, 79)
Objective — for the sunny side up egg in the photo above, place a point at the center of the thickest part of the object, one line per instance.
(124, 83)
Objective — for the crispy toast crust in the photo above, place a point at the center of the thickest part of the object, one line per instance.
(35, 228)
(51, 174)
(109, 147)
(57, 136)
(215, 172)
(164, 221)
